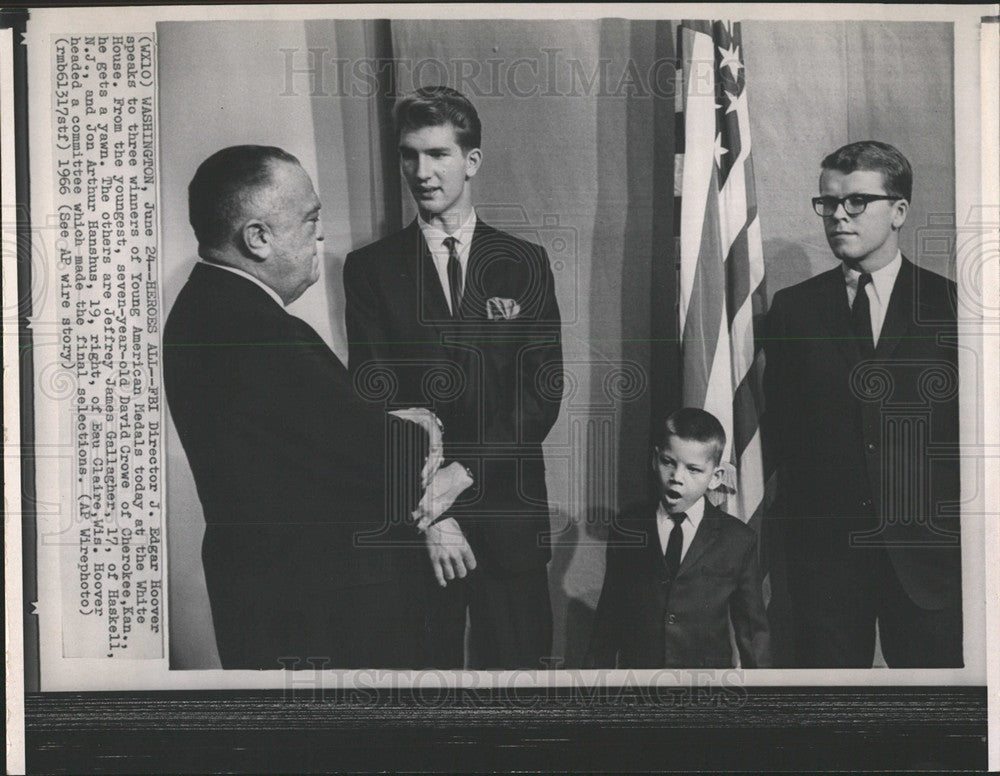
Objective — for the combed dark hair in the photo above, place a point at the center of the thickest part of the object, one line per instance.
(697, 424)
(219, 190)
(434, 106)
(876, 157)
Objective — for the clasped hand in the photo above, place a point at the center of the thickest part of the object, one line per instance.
(449, 550)
(447, 485)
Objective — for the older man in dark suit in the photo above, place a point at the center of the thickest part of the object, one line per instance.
(307, 511)
(465, 319)
(862, 400)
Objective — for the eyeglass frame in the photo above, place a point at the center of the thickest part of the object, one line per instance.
(867, 199)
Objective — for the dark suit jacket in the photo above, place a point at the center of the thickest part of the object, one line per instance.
(867, 450)
(496, 385)
(291, 469)
(649, 623)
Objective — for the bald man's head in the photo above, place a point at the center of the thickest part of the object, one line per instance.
(225, 190)
(255, 208)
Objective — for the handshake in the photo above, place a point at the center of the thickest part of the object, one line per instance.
(442, 485)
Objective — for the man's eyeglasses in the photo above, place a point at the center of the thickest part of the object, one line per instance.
(854, 204)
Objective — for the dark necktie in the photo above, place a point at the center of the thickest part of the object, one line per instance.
(861, 317)
(454, 276)
(672, 556)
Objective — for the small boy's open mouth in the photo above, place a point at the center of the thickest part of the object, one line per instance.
(673, 493)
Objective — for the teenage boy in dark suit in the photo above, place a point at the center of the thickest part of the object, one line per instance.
(861, 387)
(679, 571)
(464, 318)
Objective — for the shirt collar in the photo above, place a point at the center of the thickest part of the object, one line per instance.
(435, 235)
(270, 291)
(694, 513)
(882, 278)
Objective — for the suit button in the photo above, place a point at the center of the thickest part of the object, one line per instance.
(866, 502)
(871, 447)
(671, 619)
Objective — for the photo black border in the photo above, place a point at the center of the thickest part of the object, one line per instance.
(760, 729)
(558, 729)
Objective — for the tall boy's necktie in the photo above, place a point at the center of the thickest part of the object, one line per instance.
(861, 317)
(675, 542)
(454, 276)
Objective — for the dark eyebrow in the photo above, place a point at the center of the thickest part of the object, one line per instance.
(853, 194)
(435, 150)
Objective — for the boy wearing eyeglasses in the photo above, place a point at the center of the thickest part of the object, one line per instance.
(861, 388)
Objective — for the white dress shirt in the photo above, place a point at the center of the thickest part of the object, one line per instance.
(664, 525)
(879, 290)
(435, 238)
(270, 291)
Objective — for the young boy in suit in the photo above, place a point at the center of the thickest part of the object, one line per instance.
(679, 571)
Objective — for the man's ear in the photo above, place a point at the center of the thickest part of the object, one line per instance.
(902, 207)
(472, 161)
(257, 239)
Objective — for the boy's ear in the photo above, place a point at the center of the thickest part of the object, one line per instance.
(900, 210)
(717, 476)
(472, 161)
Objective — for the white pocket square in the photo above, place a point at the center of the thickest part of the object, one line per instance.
(500, 309)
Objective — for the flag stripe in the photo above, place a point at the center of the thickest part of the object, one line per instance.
(751, 490)
(703, 321)
(733, 204)
(737, 275)
(746, 408)
(697, 205)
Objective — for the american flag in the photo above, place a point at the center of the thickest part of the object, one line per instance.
(722, 299)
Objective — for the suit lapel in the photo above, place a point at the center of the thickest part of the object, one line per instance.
(654, 552)
(650, 554)
(650, 559)
(838, 315)
(433, 306)
(899, 314)
(473, 301)
(704, 538)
